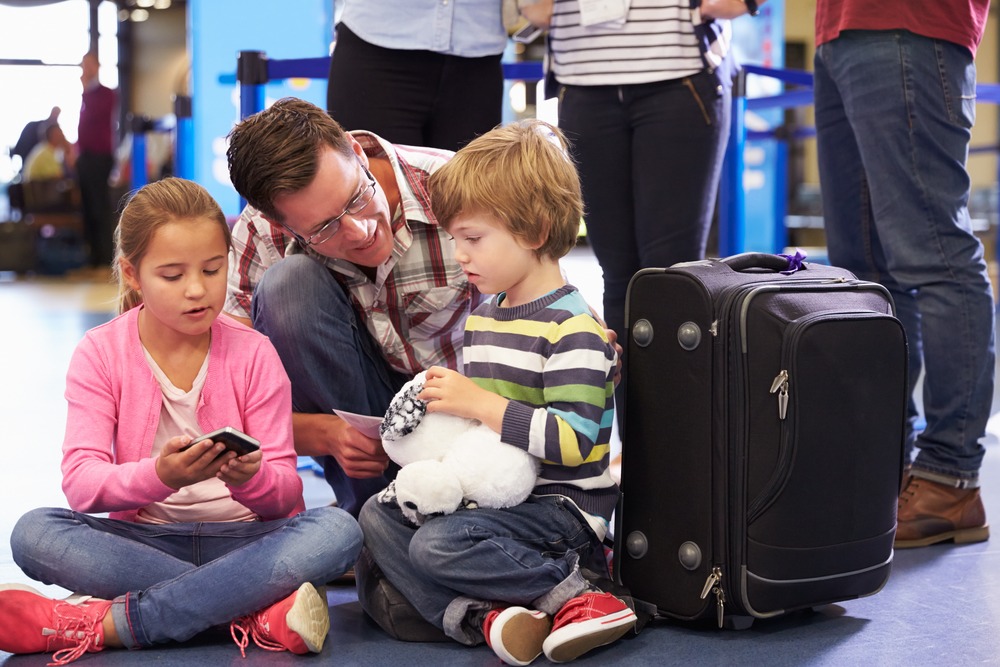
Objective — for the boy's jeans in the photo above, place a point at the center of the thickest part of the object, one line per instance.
(458, 564)
(893, 118)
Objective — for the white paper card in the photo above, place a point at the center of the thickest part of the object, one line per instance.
(593, 12)
(367, 424)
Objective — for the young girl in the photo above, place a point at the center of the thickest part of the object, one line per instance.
(196, 536)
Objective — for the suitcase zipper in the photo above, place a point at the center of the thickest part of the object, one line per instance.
(714, 585)
(780, 387)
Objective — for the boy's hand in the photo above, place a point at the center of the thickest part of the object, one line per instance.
(451, 392)
(237, 471)
(178, 467)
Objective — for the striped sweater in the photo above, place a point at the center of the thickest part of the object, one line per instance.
(552, 359)
(659, 40)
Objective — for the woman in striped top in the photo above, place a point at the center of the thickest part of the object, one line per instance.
(645, 103)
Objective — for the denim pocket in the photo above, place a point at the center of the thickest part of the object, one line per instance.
(957, 70)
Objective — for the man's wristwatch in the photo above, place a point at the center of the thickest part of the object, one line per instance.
(752, 8)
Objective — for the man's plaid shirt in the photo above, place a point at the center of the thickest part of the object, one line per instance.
(416, 308)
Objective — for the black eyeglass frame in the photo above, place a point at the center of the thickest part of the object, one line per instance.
(330, 228)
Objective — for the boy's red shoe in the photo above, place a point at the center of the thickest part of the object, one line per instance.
(33, 623)
(516, 634)
(586, 622)
(299, 623)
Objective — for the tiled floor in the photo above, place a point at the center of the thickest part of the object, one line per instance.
(940, 607)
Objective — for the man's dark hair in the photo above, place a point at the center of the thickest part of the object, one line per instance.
(275, 152)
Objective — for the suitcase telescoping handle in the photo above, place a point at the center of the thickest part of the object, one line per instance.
(750, 261)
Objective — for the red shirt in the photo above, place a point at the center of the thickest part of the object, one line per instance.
(958, 21)
(96, 121)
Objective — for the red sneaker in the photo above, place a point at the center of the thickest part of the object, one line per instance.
(586, 622)
(298, 623)
(33, 623)
(516, 634)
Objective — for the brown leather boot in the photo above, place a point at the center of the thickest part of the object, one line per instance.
(929, 512)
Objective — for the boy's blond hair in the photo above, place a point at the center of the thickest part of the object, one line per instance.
(521, 175)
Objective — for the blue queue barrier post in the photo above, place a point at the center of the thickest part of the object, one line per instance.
(251, 74)
(139, 126)
(184, 138)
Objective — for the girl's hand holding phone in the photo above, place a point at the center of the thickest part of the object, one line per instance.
(239, 469)
(182, 463)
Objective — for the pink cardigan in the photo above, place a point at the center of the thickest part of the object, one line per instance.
(114, 409)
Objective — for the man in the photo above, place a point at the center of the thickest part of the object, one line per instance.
(895, 103)
(32, 134)
(367, 292)
(95, 148)
(48, 160)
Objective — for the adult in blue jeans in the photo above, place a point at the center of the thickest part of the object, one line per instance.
(895, 104)
(340, 261)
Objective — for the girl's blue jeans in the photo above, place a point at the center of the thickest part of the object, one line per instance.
(170, 582)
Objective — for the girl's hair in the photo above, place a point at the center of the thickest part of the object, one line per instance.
(521, 174)
(149, 208)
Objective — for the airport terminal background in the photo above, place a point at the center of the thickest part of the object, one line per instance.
(941, 605)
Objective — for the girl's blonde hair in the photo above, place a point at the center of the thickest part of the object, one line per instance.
(149, 208)
(522, 175)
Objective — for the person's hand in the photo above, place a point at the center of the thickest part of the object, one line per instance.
(538, 13)
(359, 456)
(237, 471)
(451, 392)
(724, 9)
(178, 467)
(613, 341)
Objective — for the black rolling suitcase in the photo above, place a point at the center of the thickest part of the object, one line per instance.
(763, 436)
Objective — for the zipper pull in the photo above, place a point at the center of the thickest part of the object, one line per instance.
(713, 579)
(714, 585)
(720, 603)
(780, 386)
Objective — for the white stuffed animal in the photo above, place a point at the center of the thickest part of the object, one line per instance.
(447, 461)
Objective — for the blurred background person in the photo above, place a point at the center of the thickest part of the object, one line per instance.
(94, 161)
(49, 159)
(32, 134)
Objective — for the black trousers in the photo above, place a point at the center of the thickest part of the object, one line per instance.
(92, 171)
(418, 98)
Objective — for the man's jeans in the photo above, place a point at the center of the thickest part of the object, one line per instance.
(894, 113)
(332, 360)
(457, 566)
(170, 582)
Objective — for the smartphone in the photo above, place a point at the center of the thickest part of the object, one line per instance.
(527, 33)
(235, 441)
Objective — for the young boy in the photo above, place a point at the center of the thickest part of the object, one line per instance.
(539, 370)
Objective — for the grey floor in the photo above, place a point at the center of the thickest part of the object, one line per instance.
(940, 607)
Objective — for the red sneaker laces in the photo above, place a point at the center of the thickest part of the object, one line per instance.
(78, 629)
(253, 627)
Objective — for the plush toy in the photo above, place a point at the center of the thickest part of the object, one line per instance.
(447, 461)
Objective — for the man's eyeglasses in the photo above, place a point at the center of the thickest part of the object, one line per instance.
(332, 226)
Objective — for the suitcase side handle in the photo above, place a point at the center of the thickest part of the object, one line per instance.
(749, 261)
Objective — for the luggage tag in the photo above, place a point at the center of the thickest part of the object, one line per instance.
(610, 12)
